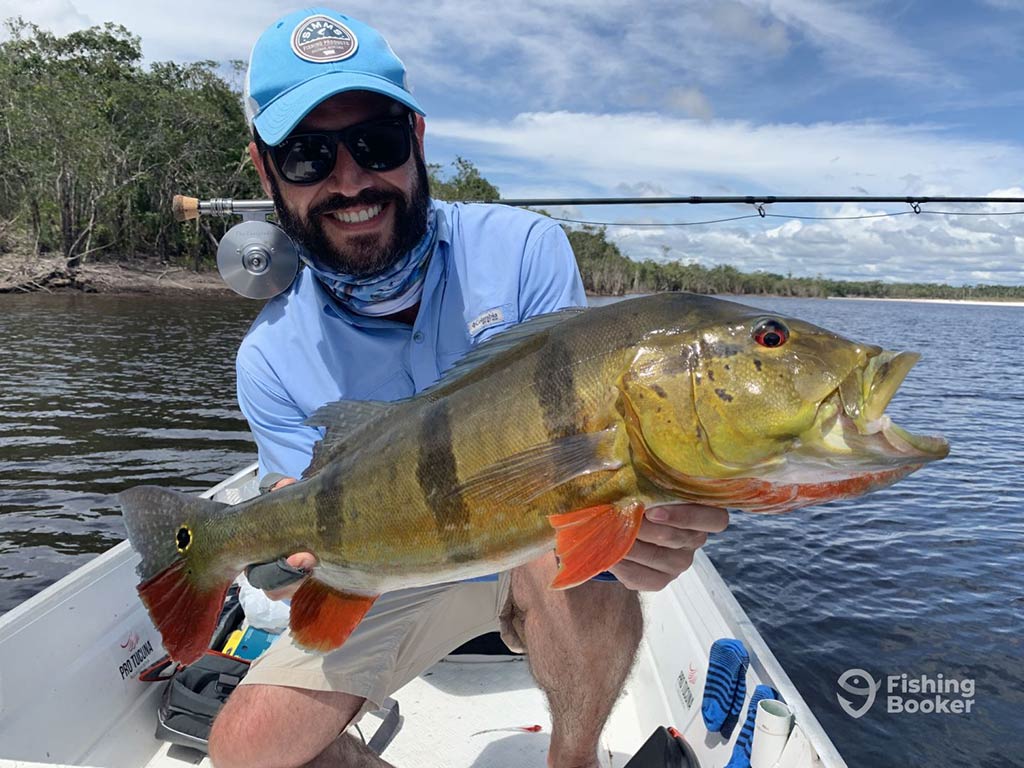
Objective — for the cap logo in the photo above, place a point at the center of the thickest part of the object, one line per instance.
(321, 39)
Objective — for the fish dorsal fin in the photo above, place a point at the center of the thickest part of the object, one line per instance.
(342, 419)
(521, 337)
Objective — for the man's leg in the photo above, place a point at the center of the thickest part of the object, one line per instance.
(581, 644)
(292, 705)
(247, 731)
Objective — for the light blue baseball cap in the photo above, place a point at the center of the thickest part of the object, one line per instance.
(311, 55)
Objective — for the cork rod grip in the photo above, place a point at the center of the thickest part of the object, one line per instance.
(185, 208)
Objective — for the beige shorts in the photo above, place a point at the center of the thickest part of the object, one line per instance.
(403, 634)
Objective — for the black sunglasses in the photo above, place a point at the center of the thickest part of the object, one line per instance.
(382, 144)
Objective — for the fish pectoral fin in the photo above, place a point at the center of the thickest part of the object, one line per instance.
(322, 617)
(523, 476)
(591, 540)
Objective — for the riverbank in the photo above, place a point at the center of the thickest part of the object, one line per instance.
(141, 276)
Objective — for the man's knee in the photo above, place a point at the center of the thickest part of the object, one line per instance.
(269, 725)
(595, 610)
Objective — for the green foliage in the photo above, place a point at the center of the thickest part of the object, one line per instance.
(465, 184)
(93, 146)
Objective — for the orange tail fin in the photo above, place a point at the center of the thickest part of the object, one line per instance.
(183, 590)
(591, 540)
(323, 618)
(185, 614)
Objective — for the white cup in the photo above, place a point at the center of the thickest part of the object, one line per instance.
(771, 730)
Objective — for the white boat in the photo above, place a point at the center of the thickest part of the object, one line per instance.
(70, 656)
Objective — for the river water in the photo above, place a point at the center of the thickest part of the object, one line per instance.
(925, 579)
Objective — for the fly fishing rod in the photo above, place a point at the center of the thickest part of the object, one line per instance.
(186, 208)
(258, 260)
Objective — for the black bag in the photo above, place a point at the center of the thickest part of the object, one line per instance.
(194, 696)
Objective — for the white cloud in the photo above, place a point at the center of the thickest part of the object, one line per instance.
(681, 155)
(59, 16)
(569, 154)
(532, 54)
(855, 42)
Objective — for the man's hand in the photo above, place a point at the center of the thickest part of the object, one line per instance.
(304, 561)
(664, 547)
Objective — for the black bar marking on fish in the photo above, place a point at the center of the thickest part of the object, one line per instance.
(330, 513)
(659, 391)
(438, 477)
(724, 395)
(757, 364)
(554, 386)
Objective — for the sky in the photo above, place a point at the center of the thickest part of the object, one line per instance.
(699, 97)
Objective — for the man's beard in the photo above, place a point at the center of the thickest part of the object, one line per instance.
(364, 256)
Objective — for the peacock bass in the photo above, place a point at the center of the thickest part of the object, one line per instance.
(555, 434)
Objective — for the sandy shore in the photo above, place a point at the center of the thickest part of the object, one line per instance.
(21, 274)
(975, 302)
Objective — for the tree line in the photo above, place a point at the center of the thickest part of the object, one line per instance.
(606, 271)
(93, 145)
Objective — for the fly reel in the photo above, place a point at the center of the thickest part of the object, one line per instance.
(255, 258)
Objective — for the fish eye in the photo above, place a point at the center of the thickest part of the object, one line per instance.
(771, 333)
(183, 539)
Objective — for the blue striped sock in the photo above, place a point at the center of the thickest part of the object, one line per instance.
(741, 751)
(725, 686)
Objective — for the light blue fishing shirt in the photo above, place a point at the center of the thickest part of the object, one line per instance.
(493, 267)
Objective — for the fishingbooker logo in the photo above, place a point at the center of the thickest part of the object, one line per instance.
(859, 683)
(904, 694)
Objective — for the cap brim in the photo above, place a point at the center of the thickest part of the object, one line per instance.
(278, 118)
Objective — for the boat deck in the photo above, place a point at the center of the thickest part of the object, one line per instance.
(468, 711)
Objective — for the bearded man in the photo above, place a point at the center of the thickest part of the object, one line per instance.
(396, 288)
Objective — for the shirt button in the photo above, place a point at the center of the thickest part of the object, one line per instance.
(418, 337)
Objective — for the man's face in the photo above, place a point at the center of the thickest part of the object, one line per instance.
(314, 215)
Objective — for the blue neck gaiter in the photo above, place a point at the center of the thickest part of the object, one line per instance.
(400, 287)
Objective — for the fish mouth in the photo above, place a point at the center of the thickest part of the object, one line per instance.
(853, 422)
